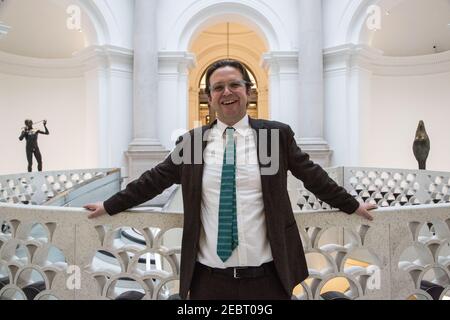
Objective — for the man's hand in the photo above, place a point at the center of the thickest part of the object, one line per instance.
(363, 210)
(45, 122)
(96, 209)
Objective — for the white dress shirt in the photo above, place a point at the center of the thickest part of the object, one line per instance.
(254, 248)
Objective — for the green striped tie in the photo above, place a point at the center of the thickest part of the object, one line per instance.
(227, 238)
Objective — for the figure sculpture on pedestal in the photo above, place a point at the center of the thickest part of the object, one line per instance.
(31, 137)
(421, 146)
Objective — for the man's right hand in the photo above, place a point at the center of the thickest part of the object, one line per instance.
(96, 209)
(363, 209)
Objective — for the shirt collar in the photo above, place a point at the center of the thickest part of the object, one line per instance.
(241, 127)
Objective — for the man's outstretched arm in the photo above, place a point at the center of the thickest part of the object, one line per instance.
(147, 186)
(317, 180)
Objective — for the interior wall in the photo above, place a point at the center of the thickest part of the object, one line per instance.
(389, 123)
(86, 97)
(61, 102)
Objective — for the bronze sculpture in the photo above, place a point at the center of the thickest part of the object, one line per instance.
(31, 136)
(421, 145)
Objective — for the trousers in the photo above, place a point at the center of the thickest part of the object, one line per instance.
(218, 284)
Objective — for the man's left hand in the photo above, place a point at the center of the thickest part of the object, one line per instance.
(363, 210)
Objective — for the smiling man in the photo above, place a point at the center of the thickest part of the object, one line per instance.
(229, 93)
(240, 237)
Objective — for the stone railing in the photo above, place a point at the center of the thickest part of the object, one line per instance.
(57, 253)
(57, 188)
(384, 187)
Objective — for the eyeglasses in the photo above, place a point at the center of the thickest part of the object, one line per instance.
(232, 86)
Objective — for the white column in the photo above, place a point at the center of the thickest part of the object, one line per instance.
(311, 93)
(97, 142)
(107, 73)
(348, 75)
(282, 68)
(174, 95)
(121, 99)
(145, 151)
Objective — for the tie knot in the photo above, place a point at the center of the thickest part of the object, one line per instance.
(230, 131)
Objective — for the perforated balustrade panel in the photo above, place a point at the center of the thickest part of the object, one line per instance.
(342, 261)
(34, 259)
(421, 260)
(133, 259)
(394, 187)
(40, 187)
(304, 200)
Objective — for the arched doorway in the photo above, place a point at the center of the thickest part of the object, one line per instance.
(207, 116)
(221, 41)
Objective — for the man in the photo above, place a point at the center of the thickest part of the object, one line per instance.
(240, 239)
(31, 137)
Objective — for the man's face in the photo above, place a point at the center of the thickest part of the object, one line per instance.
(229, 96)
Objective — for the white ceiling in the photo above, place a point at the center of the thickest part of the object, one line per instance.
(413, 27)
(39, 29)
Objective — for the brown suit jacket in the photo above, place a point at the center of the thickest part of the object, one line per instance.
(284, 238)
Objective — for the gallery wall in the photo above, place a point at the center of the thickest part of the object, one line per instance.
(62, 103)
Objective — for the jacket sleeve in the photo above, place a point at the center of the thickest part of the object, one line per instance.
(146, 187)
(316, 179)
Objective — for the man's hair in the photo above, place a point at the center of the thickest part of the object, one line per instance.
(228, 63)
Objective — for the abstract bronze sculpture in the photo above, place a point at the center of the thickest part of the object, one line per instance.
(421, 145)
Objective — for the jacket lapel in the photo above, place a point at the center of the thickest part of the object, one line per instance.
(197, 169)
(258, 125)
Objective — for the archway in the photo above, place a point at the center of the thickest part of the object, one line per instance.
(201, 15)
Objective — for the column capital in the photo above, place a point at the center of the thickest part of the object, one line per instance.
(280, 61)
(345, 57)
(106, 56)
(175, 62)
